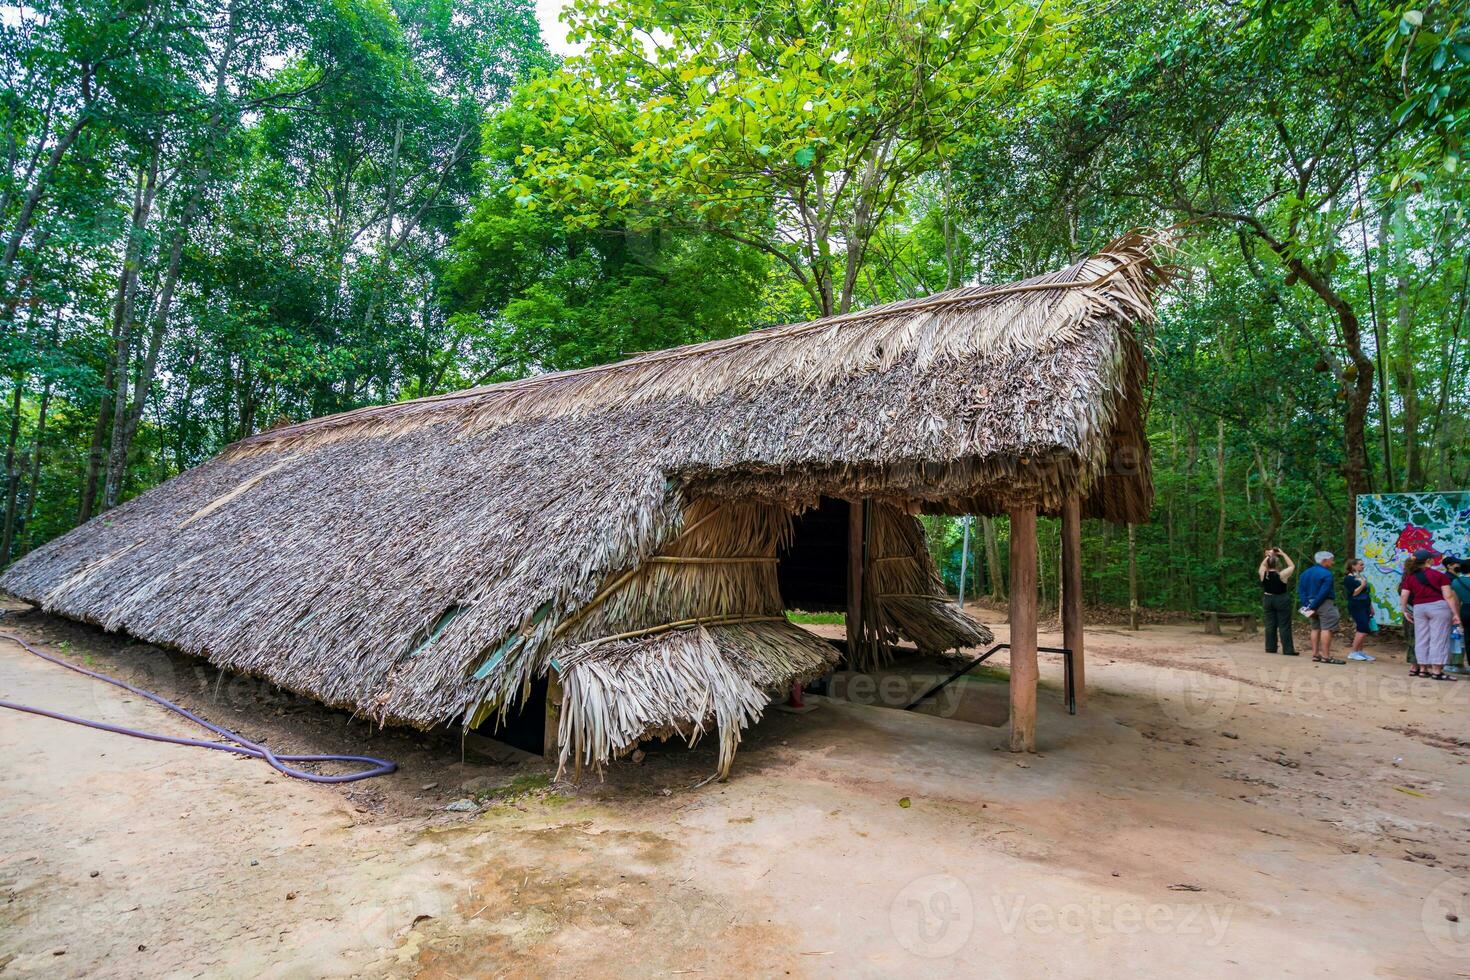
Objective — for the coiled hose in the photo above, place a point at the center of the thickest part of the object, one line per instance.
(241, 746)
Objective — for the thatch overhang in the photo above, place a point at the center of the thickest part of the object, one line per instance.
(422, 562)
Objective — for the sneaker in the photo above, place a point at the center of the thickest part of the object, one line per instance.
(1355, 655)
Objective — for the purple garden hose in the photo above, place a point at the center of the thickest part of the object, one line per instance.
(380, 767)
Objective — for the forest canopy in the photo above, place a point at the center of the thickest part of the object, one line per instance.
(221, 216)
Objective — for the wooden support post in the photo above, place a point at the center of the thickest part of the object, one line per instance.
(551, 741)
(1132, 577)
(1072, 593)
(1023, 629)
(855, 556)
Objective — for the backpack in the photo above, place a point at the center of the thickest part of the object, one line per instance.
(1424, 581)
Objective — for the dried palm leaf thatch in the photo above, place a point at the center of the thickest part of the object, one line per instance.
(904, 597)
(1037, 317)
(696, 636)
(424, 561)
(681, 683)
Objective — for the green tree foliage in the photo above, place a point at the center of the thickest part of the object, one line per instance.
(542, 297)
(1427, 46)
(539, 293)
(216, 216)
(792, 127)
(1269, 130)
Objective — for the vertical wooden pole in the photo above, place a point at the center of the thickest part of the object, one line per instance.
(855, 558)
(1023, 629)
(1133, 577)
(551, 740)
(1072, 593)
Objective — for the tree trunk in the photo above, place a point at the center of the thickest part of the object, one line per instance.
(33, 196)
(1132, 577)
(1268, 490)
(1220, 508)
(1358, 393)
(1380, 344)
(35, 478)
(964, 559)
(1171, 593)
(12, 474)
(247, 400)
(95, 450)
(992, 559)
(1405, 378)
(1447, 382)
(386, 257)
(122, 326)
(128, 413)
(1354, 379)
(1191, 511)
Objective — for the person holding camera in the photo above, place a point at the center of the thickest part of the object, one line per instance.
(1274, 574)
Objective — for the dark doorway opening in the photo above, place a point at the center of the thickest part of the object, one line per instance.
(524, 727)
(812, 572)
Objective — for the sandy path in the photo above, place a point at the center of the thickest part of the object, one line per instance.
(1327, 837)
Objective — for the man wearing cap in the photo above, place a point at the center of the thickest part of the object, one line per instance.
(1314, 589)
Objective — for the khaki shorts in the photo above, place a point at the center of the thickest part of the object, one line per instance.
(1327, 616)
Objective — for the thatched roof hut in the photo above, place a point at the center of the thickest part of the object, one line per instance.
(624, 526)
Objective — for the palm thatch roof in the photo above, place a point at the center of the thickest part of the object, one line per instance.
(421, 562)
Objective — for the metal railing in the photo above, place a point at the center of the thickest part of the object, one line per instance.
(1070, 691)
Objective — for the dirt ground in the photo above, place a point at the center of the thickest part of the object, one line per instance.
(1211, 811)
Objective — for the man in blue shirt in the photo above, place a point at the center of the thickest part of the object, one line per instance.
(1314, 587)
